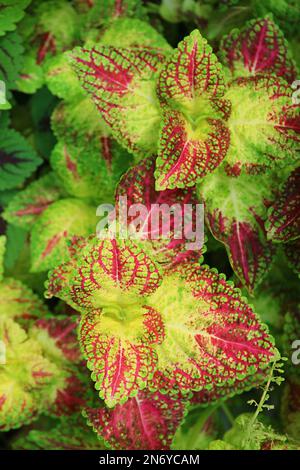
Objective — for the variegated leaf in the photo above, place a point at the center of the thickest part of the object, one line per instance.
(213, 338)
(162, 228)
(265, 130)
(118, 342)
(26, 377)
(259, 48)
(284, 215)
(194, 138)
(121, 83)
(186, 155)
(27, 205)
(90, 172)
(18, 301)
(236, 209)
(147, 421)
(54, 30)
(57, 337)
(192, 330)
(60, 221)
(108, 272)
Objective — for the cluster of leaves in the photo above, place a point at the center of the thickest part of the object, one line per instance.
(137, 343)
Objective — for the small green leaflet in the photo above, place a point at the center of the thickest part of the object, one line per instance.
(11, 12)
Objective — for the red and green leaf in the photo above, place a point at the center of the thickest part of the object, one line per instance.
(194, 138)
(121, 83)
(109, 272)
(70, 396)
(213, 338)
(119, 346)
(59, 278)
(147, 421)
(190, 72)
(236, 209)
(192, 330)
(60, 221)
(18, 301)
(227, 390)
(81, 168)
(54, 30)
(283, 223)
(265, 131)
(259, 48)
(138, 185)
(57, 337)
(27, 205)
(26, 377)
(185, 156)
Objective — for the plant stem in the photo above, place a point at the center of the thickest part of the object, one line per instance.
(259, 407)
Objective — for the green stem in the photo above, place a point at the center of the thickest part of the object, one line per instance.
(261, 402)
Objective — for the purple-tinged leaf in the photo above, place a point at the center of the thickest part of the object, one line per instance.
(147, 421)
(284, 215)
(235, 211)
(259, 48)
(121, 83)
(194, 138)
(138, 186)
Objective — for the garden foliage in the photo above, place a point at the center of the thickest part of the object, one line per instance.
(144, 343)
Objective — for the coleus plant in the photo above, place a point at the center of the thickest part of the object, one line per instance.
(39, 358)
(192, 143)
(167, 340)
(132, 332)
